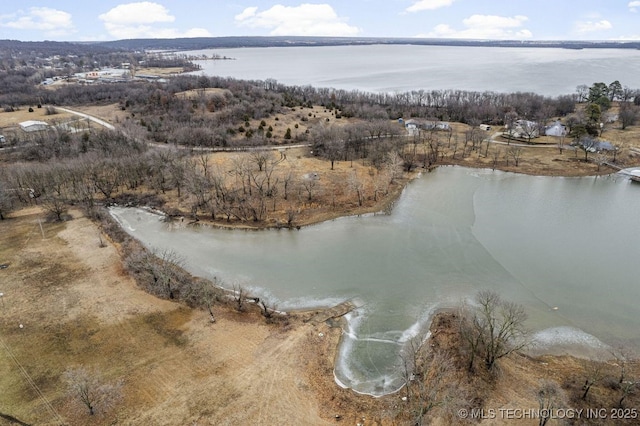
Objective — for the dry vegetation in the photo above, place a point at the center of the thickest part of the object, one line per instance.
(356, 187)
(70, 301)
(160, 71)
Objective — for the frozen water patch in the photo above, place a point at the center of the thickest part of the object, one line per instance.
(568, 340)
(375, 379)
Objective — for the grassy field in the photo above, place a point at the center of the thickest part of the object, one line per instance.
(67, 303)
(11, 119)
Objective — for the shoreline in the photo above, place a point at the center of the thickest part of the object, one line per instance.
(304, 351)
(389, 203)
(555, 349)
(382, 208)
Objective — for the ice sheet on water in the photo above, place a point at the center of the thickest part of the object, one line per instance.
(568, 340)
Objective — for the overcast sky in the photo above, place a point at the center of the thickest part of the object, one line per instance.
(74, 20)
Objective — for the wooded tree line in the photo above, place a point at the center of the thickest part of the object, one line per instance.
(168, 117)
(106, 167)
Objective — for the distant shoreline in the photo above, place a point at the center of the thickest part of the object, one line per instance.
(234, 42)
(200, 43)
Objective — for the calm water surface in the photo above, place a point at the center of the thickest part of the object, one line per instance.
(400, 68)
(566, 248)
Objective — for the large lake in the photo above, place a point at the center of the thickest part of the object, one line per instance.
(566, 248)
(400, 68)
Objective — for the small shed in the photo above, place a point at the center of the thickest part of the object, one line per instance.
(33, 126)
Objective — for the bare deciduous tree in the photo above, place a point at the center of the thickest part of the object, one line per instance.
(6, 199)
(495, 328)
(629, 114)
(357, 187)
(622, 355)
(90, 391)
(515, 152)
(260, 157)
(240, 297)
(394, 164)
(495, 155)
(162, 273)
(593, 372)
(550, 397)
(210, 294)
(310, 184)
(600, 158)
(428, 382)
(626, 388)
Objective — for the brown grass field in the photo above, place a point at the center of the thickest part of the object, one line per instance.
(11, 119)
(77, 307)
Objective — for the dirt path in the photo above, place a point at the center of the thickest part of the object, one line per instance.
(88, 117)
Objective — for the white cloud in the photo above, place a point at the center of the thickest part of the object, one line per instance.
(429, 5)
(485, 27)
(52, 22)
(138, 20)
(137, 13)
(633, 5)
(247, 13)
(591, 26)
(303, 20)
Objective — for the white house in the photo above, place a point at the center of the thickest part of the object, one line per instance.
(523, 129)
(556, 129)
(33, 126)
(414, 126)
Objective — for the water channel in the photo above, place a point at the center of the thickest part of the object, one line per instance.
(565, 248)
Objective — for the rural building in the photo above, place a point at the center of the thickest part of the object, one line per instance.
(523, 129)
(556, 129)
(33, 126)
(414, 126)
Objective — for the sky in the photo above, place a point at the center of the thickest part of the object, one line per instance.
(74, 20)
